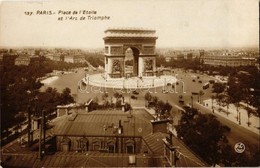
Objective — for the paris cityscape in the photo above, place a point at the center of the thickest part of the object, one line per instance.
(127, 96)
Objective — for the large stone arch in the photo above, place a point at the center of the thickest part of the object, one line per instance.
(118, 40)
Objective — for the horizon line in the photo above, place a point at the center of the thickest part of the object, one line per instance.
(157, 47)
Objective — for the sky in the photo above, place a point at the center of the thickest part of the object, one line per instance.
(178, 23)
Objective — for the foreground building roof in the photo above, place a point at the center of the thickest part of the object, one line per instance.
(101, 123)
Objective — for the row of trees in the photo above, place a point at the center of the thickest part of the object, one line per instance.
(61, 66)
(162, 109)
(197, 64)
(243, 84)
(20, 87)
(239, 89)
(193, 64)
(107, 102)
(96, 60)
(206, 136)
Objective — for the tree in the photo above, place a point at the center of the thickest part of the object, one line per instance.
(128, 107)
(159, 111)
(148, 97)
(219, 99)
(204, 134)
(226, 101)
(218, 88)
(167, 109)
(154, 100)
(212, 102)
(66, 97)
(249, 113)
(201, 93)
(105, 101)
(117, 95)
(234, 91)
(118, 103)
(248, 98)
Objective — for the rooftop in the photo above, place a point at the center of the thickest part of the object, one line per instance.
(104, 123)
(138, 29)
(129, 33)
(93, 124)
(187, 157)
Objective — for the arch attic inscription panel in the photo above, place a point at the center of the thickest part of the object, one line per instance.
(138, 43)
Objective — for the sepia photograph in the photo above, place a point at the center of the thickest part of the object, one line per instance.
(140, 83)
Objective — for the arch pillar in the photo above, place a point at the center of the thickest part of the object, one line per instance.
(141, 66)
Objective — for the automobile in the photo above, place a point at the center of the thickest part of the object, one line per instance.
(165, 91)
(181, 101)
(133, 97)
(135, 92)
(205, 86)
(187, 106)
(211, 81)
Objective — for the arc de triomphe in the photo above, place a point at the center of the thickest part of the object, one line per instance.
(140, 43)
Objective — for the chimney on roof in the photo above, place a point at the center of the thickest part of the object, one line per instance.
(120, 128)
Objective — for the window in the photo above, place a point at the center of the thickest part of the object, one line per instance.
(130, 146)
(129, 149)
(83, 144)
(111, 146)
(106, 49)
(96, 145)
(65, 144)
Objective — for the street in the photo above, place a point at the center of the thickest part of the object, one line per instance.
(237, 133)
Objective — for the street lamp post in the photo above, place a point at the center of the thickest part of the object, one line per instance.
(191, 101)
(29, 123)
(29, 111)
(212, 104)
(42, 133)
(44, 128)
(239, 118)
(40, 139)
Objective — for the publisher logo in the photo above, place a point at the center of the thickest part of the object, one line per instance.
(239, 147)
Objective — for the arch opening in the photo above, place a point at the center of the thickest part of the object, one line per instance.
(131, 61)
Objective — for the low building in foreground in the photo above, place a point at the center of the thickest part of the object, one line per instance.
(108, 139)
